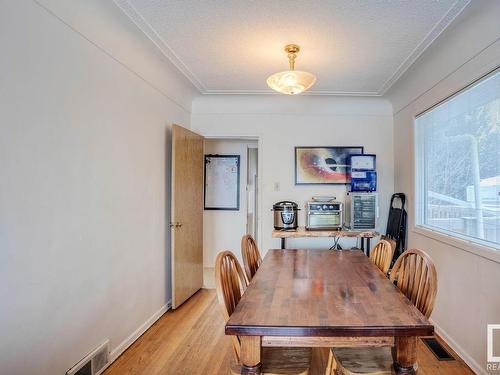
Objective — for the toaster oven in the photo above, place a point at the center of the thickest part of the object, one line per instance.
(324, 215)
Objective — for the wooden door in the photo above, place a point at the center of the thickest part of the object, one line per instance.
(187, 214)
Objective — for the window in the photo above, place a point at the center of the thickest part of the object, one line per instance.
(458, 164)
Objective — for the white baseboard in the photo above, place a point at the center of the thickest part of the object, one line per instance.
(471, 362)
(115, 353)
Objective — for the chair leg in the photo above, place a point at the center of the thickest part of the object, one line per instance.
(328, 370)
(331, 368)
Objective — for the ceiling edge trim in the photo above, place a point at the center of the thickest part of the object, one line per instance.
(151, 33)
(307, 93)
(435, 32)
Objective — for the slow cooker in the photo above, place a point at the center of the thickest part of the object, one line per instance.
(285, 215)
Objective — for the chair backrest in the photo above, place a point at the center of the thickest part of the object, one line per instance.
(416, 277)
(251, 255)
(391, 241)
(394, 246)
(230, 283)
(381, 255)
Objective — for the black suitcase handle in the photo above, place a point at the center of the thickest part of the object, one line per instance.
(401, 197)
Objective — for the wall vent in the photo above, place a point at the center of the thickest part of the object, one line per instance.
(93, 363)
(437, 349)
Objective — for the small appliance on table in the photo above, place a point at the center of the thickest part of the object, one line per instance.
(324, 213)
(361, 203)
(361, 210)
(285, 215)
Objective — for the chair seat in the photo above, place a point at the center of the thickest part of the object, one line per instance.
(363, 361)
(283, 361)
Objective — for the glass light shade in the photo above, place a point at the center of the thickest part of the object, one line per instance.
(291, 82)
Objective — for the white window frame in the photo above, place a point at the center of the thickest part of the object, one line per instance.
(476, 246)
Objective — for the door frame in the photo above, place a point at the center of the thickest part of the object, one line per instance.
(259, 140)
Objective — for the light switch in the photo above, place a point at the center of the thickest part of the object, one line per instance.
(276, 186)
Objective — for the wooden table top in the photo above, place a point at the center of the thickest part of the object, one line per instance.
(324, 293)
(303, 232)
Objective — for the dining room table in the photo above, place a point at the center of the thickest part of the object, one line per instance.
(324, 298)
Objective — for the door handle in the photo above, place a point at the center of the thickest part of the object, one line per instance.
(175, 225)
(178, 225)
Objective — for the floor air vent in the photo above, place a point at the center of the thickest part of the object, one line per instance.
(93, 363)
(437, 349)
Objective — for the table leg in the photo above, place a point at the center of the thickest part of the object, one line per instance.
(405, 355)
(368, 246)
(250, 355)
(363, 244)
(283, 242)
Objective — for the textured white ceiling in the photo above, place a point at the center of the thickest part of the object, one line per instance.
(354, 47)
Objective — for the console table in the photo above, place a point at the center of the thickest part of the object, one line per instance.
(301, 232)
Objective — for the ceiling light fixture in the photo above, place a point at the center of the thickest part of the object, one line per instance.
(291, 82)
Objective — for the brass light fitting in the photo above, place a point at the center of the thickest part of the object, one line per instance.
(291, 82)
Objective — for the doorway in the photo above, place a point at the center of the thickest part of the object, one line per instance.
(252, 190)
(223, 229)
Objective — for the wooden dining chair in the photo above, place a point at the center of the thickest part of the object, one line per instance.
(417, 280)
(391, 241)
(393, 244)
(230, 283)
(251, 255)
(381, 255)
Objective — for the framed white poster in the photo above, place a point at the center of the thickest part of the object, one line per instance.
(222, 182)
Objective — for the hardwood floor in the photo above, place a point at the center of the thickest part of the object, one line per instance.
(191, 341)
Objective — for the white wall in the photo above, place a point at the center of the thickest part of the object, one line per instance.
(468, 284)
(222, 230)
(282, 122)
(86, 105)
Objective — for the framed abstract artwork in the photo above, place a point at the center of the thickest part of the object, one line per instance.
(323, 165)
